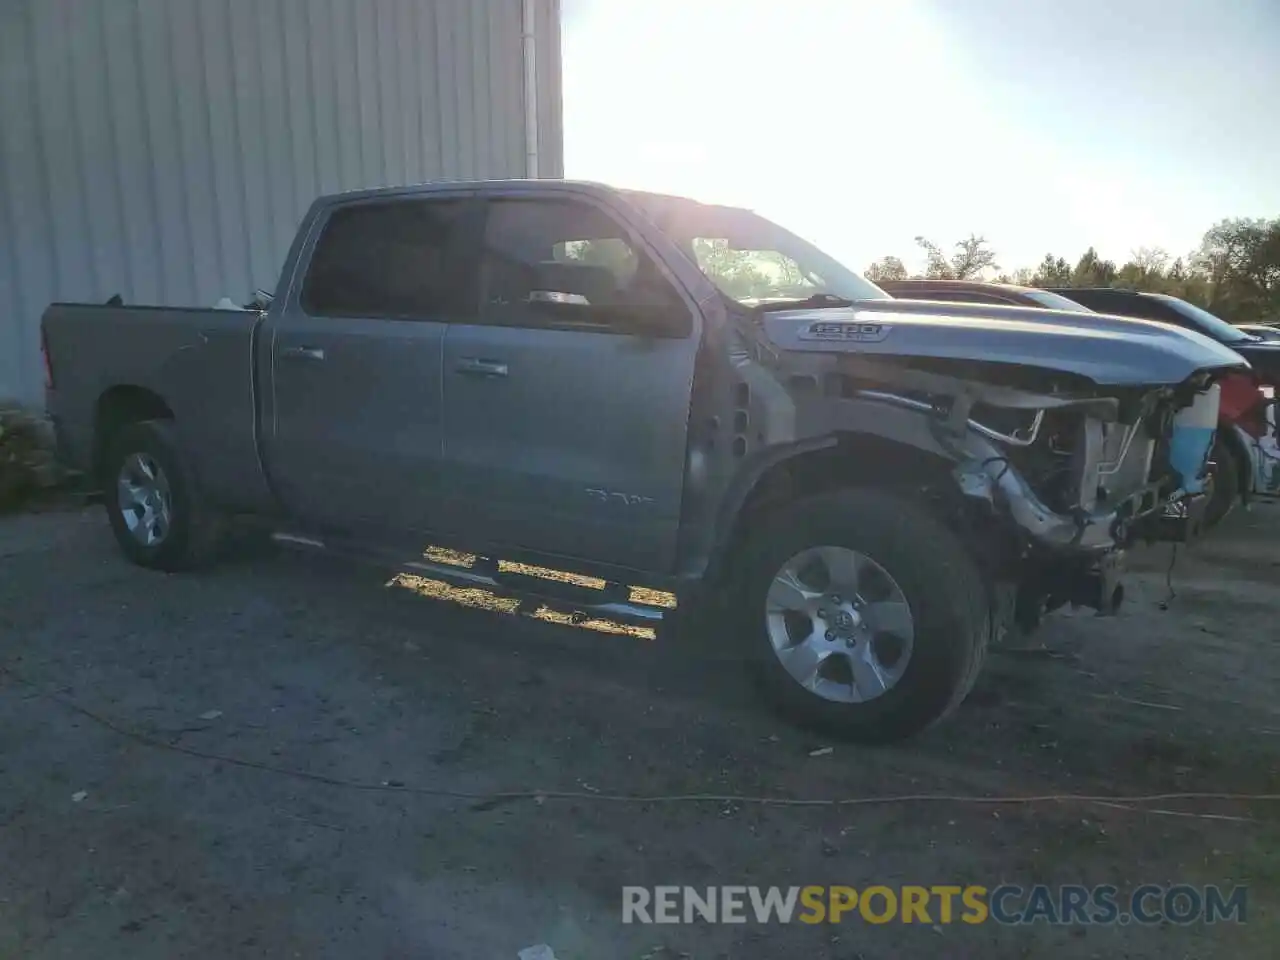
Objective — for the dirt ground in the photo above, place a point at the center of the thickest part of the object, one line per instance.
(113, 847)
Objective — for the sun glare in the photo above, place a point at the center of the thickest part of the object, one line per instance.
(859, 124)
(786, 108)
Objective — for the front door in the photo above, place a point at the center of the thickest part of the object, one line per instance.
(565, 431)
(354, 432)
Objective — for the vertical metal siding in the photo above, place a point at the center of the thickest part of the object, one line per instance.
(550, 79)
(166, 149)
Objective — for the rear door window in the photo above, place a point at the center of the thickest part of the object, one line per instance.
(395, 260)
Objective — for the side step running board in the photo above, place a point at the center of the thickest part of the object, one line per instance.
(611, 603)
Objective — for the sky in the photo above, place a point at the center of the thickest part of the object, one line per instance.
(859, 124)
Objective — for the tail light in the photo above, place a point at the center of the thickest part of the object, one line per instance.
(44, 357)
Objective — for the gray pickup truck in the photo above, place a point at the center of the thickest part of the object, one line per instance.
(853, 494)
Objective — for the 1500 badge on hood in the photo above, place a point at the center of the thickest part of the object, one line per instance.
(848, 331)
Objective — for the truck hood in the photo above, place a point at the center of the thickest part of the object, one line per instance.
(1108, 350)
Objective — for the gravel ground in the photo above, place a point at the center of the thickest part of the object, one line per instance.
(117, 843)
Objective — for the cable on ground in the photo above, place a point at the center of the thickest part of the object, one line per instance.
(541, 796)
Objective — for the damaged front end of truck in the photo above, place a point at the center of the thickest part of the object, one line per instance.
(1064, 441)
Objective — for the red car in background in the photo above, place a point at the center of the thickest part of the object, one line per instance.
(1247, 451)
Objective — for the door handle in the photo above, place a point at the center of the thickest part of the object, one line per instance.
(475, 367)
(302, 353)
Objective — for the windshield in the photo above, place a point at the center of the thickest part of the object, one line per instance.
(753, 260)
(1205, 321)
(1053, 301)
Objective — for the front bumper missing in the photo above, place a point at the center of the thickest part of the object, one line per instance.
(1055, 582)
(1181, 521)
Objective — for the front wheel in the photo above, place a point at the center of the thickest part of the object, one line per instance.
(862, 614)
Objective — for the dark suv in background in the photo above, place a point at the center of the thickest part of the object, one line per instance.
(1244, 423)
(1244, 405)
(976, 291)
(1261, 354)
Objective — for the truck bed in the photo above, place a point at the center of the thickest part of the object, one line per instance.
(197, 359)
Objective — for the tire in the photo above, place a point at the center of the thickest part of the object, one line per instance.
(145, 458)
(1226, 484)
(932, 573)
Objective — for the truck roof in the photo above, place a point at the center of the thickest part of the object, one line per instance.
(450, 186)
(646, 198)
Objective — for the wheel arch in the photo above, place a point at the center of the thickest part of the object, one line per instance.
(118, 407)
(815, 466)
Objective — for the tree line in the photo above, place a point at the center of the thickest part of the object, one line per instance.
(1234, 273)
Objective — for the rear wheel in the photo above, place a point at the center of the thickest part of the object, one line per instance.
(862, 614)
(153, 502)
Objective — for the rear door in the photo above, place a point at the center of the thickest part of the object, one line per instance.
(354, 432)
(565, 430)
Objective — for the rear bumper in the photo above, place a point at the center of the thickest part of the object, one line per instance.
(61, 448)
(72, 451)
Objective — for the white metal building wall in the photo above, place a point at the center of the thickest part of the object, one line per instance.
(165, 150)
